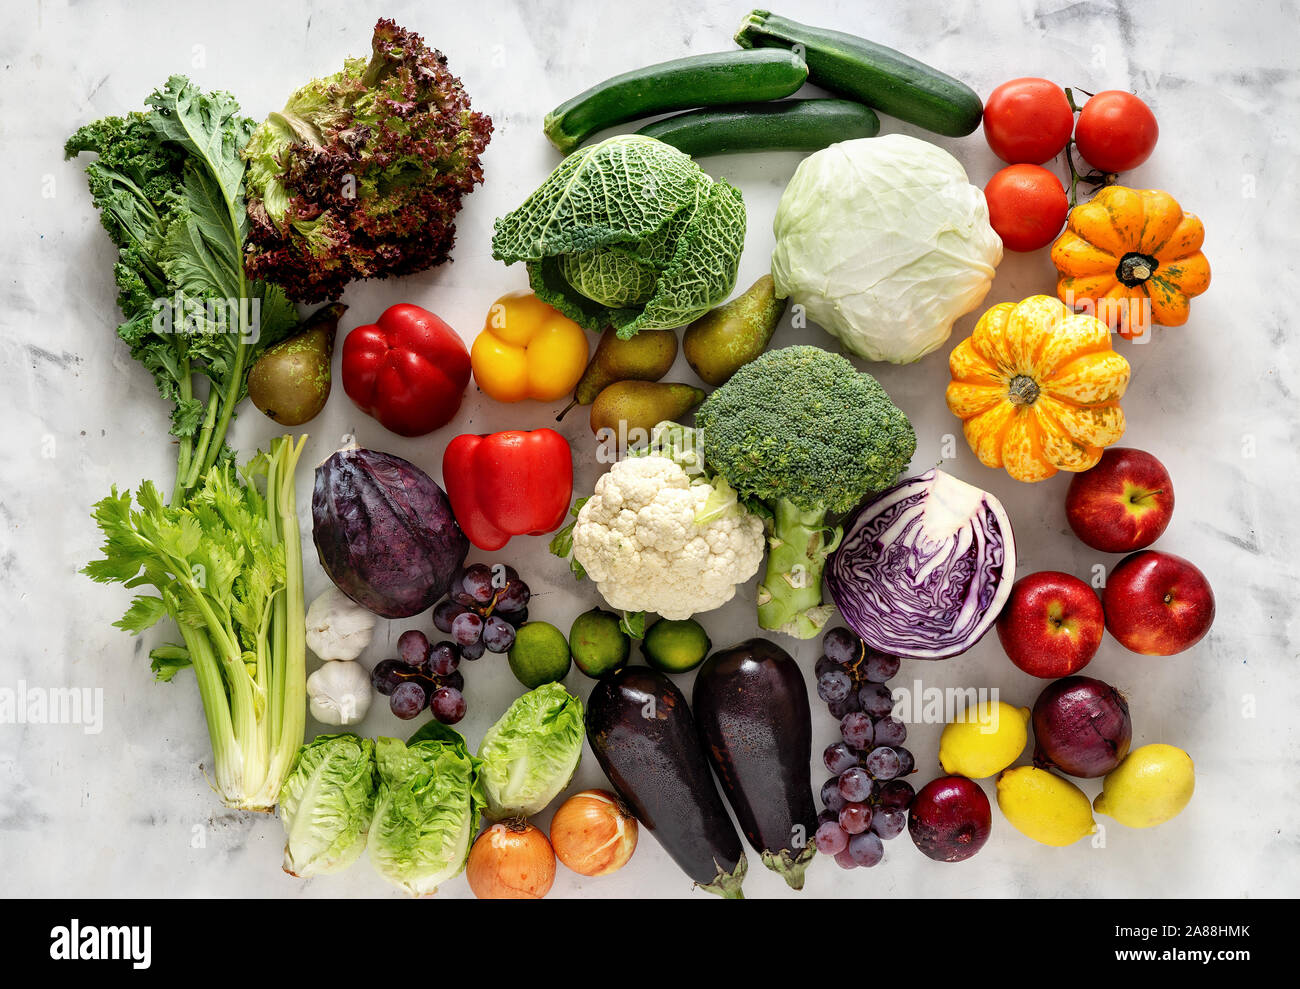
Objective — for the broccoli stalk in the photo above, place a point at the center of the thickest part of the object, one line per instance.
(798, 546)
(801, 434)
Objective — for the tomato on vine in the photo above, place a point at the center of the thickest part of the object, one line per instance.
(1028, 121)
(1116, 131)
(1027, 206)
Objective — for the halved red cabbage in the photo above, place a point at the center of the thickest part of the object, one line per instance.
(924, 567)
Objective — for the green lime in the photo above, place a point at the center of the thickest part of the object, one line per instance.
(675, 647)
(598, 643)
(540, 654)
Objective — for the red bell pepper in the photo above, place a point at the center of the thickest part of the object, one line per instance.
(408, 369)
(508, 484)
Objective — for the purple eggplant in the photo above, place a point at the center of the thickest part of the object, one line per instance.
(751, 707)
(645, 740)
(385, 532)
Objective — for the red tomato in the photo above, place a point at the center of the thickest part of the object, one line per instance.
(1027, 206)
(1116, 131)
(1027, 121)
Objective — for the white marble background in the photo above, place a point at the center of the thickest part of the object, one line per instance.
(127, 811)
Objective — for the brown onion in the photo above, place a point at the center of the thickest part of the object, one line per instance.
(511, 860)
(1081, 726)
(593, 833)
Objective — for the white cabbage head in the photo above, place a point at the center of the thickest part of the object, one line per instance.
(886, 244)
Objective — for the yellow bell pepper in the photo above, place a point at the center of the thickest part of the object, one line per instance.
(527, 349)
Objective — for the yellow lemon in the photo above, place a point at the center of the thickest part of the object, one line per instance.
(1042, 806)
(984, 741)
(1151, 785)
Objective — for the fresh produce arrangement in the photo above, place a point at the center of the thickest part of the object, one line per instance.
(781, 477)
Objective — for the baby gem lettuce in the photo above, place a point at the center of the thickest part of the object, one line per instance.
(428, 809)
(530, 755)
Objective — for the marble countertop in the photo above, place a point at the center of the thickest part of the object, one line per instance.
(122, 808)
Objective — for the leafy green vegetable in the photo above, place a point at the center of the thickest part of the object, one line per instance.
(361, 174)
(633, 623)
(804, 432)
(427, 813)
(227, 567)
(167, 183)
(561, 543)
(532, 752)
(326, 804)
(629, 232)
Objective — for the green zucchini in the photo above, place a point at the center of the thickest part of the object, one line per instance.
(784, 125)
(698, 80)
(862, 70)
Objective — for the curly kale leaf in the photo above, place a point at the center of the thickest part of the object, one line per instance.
(168, 187)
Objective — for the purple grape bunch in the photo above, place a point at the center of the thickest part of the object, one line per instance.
(425, 675)
(866, 799)
(482, 610)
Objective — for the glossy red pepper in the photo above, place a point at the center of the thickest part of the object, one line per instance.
(408, 369)
(508, 484)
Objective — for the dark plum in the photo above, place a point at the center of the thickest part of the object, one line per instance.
(950, 819)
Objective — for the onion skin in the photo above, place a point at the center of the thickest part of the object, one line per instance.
(593, 833)
(1081, 727)
(511, 860)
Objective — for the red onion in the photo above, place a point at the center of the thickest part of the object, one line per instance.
(1081, 726)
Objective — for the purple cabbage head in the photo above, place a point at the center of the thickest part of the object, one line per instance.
(924, 567)
(385, 532)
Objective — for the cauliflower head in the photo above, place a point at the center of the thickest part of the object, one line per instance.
(639, 539)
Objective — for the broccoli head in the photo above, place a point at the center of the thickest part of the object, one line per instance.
(804, 425)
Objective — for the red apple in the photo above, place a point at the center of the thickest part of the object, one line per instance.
(1051, 625)
(1122, 504)
(1157, 604)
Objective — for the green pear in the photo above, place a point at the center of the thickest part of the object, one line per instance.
(642, 405)
(291, 380)
(644, 357)
(723, 340)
